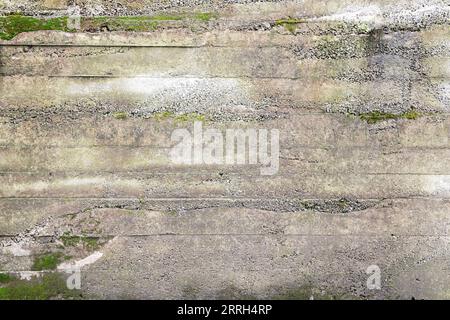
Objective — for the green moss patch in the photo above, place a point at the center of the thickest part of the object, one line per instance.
(90, 243)
(290, 24)
(6, 277)
(12, 25)
(167, 17)
(120, 115)
(205, 16)
(163, 115)
(282, 22)
(377, 116)
(49, 286)
(187, 117)
(47, 261)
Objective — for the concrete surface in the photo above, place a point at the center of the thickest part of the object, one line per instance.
(349, 193)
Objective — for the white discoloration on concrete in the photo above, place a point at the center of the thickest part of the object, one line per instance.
(421, 12)
(72, 182)
(27, 275)
(149, 85)
(81, 263)
(16, 250)
(354, 13)
(444, 93)
(378, 16)
(438, 185)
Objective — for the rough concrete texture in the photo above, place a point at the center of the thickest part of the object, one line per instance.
(85, 173)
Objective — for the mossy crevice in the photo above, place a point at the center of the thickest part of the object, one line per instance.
(378, 116)
(90, 243)
(290, 24)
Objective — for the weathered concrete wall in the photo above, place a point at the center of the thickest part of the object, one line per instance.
(359, 91)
